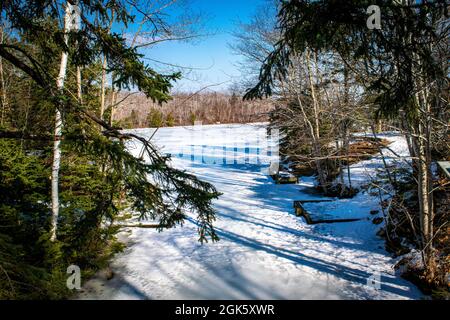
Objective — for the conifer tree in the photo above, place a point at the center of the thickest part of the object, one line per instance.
(98, 176)
(403, 64)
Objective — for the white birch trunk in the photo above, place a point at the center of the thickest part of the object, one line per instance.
(70, 13)
(103, 87)
(79, 93)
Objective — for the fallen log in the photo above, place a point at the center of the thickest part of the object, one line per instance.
(140, 225)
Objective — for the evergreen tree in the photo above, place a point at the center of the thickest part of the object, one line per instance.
(405, 67)
(170, 120)
(98, 176)
(155, 118)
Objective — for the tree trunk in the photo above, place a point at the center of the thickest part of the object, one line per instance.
(316, 127)
(104, 66)
(420, 145)
(379, 126)
(339, 161)
(79, 92)
(424, 194)
(3, 85)
(347, 150)
(69, 12)
(421, 141)
(103, 87)
(113, 105)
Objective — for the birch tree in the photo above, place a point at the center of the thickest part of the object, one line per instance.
(40, 58)
(172, 192)
(71, 21)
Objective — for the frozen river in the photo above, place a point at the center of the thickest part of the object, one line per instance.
(265, 251)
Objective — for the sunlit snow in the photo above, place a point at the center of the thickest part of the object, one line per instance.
(265, 251)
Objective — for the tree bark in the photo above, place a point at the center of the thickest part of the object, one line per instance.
(103, 87)
(424, 193)
(104, 66)
(69, 12)
(316, 126)
(113, 105)
(2, 80)
(79, 92)
(421, 141)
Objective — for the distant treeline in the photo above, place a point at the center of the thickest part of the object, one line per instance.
(136, 111)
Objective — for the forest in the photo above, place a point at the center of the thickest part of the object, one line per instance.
(188, 108)
(92, 127)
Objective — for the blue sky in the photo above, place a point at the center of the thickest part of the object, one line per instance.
(210, 54)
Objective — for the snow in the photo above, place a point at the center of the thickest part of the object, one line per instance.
(265, 251)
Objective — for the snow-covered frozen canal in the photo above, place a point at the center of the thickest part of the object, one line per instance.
(265, 251)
